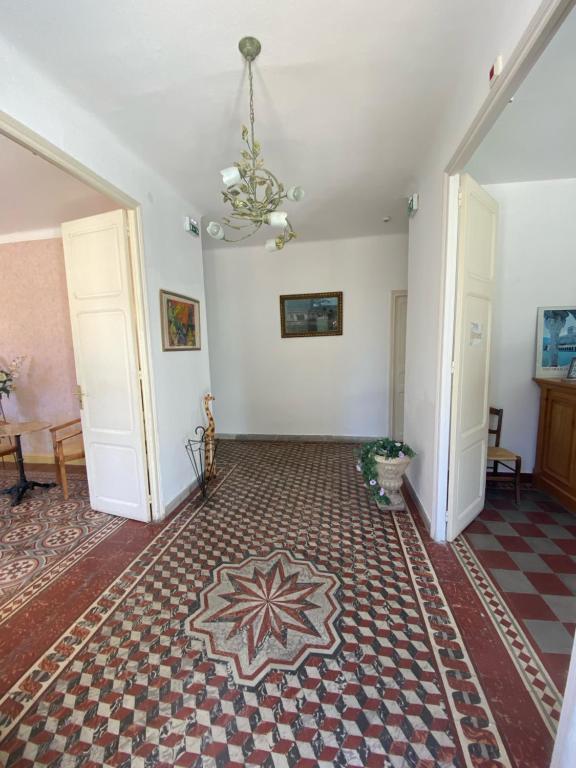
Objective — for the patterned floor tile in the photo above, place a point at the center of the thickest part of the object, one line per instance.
(544, 553)
(142, 676)
(44, 535)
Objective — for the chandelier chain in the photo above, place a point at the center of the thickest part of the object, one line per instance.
(250, 80)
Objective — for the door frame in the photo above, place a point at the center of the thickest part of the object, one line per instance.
(544, 25)
(393, 319)
(32, 141)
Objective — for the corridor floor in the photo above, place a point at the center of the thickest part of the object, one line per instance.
(285, 621)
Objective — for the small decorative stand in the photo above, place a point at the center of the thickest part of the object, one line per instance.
(196, 450)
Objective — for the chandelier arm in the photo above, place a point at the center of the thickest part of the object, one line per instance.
(244, 237)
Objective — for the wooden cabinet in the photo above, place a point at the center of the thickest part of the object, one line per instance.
(555, 469)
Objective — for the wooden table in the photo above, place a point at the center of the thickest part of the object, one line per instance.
(16, 430)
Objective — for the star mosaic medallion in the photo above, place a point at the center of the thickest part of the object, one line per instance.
(268, 613)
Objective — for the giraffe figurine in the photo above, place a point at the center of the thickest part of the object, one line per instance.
(209, 438)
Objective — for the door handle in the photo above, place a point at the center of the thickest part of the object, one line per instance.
(80, 395)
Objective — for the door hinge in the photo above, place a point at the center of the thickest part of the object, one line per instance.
(452, 368)
(459, 198)
(139, 374)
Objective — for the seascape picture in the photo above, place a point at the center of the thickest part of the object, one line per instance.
(556, 341)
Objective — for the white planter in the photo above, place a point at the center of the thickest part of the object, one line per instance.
(390, 473)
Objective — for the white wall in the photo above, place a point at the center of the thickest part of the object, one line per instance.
(173, 259)
(333, 385)
(535, 268)
(500, 30)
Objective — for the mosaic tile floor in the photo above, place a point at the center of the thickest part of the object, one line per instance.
(284, 622)
(529, 552)
(44, 535)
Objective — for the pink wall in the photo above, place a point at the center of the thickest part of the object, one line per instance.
(34, 321)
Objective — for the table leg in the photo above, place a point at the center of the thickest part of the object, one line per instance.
(17, 491)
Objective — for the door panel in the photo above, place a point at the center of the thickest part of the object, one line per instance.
(478, 216)
(98, 275)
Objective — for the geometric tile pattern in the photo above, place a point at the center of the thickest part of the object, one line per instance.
(131, 683)
(538, 682)
(460, 682)
(268, 613)
(529, 553)
(42, 537)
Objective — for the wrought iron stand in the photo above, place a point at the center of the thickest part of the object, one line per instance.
(196, 450)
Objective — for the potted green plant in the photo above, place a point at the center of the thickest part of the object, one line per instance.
(383, 463)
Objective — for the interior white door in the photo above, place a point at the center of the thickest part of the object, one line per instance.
(475, 282)
(400, 300)
(100, 295)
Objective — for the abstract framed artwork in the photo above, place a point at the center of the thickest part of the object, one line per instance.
(311, 314)
(180, 317)
(555, 341)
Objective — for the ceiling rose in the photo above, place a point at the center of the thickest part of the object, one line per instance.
(253, 192)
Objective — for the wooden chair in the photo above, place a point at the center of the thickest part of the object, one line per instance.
(60, 458)
(6, 446)
(498, 455)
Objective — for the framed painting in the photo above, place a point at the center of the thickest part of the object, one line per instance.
(180, 317)
(555, 341)
(311, 314)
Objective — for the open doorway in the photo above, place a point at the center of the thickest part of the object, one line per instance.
(70, 259)
(511, 237)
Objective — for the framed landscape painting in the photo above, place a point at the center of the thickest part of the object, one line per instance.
(311, 314)
(555, 341)
(180, 316)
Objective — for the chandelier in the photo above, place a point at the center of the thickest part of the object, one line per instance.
(253, 192)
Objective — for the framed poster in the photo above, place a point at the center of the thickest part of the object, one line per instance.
(311, 314)
(180, 317)
(555, 341)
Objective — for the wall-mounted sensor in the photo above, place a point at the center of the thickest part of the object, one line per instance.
(495, 71)
(413, 204)
(191, 225)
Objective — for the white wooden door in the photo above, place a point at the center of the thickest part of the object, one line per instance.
(477, 224)
(99, 279)
(400, 306)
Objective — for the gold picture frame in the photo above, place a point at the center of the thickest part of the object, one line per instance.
(180, 319)
(311, 314)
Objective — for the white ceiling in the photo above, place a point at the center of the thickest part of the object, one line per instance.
(36, 195)
(349, 93)
(535, 137)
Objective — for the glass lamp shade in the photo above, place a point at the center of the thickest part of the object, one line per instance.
(215, 230)
(231, 176)
(274, 244)
(276, 219)
(296, 194)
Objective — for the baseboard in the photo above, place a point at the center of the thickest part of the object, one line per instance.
(414, 502)
(179, 500)
(297, 438)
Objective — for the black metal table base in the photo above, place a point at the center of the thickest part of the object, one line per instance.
(17, 491)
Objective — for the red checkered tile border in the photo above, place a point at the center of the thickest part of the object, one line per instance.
(538, 682)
